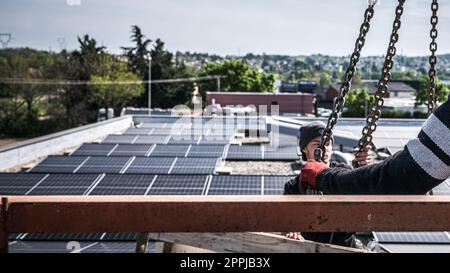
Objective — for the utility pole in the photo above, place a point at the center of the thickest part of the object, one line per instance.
(218, 84)
(5, 38)
(149, 84)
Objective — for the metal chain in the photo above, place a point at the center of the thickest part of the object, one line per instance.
(433, 59)
(345, 87)
(382, 88)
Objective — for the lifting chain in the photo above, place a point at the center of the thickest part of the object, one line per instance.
(433, 59)
(382, 88)
(345, 87)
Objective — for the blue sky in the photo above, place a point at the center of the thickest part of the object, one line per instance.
(292, 27)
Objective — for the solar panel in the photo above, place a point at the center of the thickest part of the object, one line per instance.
(412, 237)
(147, 119)
(152, 165)
(59, 164)
(280, 153)
(65, 184)
(116, 247)
(63, 236)
(132, 150)
(138, 131)
(194, 166)
(216, 141)
(236, 181)
(178, 185)
(206, 151)
(169, 150)
(120, 236)
(119, 139)
(18, 183)
(163, 131)
(89, 149)
(244, 152)
(276, 182)
(236, 191)
(184, 139)
(103, 165)
(119, 184)
(151, 140)
(153, 125)
(43, 247)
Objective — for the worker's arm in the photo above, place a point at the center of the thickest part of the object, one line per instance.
(423, 164)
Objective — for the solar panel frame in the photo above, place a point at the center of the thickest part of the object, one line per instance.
(169, 150)
(151, 139)
(104, 164)
(121, 184)
(206, 151)
(288, 153)
(59, 164)
(93, 149)
(179, 185)
(120, 139)
(150, 165)
(412, 237)
(132, 150)
(138, 131)
(194, 166)
(19, 183)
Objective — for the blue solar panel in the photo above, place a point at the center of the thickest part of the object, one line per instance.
(118, 184)
(235, 185)
(412, 237)
(104, 165)
(206, 151)
(127, 139)
(132, 150)
(151, 139)
(244, 152)
(178, 185)
(59, 164)
(152, 165)
(169, 150)
(138, 131)
(194, 166)
(88, 149)
(18, 183)
(65, 184)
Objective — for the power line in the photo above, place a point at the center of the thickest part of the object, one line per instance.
(69, 82)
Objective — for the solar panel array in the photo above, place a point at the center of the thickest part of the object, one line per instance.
(262, 152)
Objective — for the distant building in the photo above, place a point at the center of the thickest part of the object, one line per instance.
(287, 103)
(303, 86)
(396, 90)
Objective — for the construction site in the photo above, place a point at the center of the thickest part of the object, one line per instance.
(216, 179)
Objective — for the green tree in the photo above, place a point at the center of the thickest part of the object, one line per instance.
(442, 91)
(356, 102)
(104, 94)
(238, 76)
(325, 79)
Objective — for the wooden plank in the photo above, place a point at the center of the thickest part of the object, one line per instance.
(227, 213)
(249, 242)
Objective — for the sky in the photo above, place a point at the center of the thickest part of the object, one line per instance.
(225, 27)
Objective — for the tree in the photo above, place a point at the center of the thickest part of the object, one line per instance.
(114, 95)
(442, 91)
(325, 79)
(238, 76)
(356, 102)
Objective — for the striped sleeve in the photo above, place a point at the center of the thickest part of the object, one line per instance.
(422, 165)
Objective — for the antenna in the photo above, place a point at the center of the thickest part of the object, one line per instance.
(5, 38)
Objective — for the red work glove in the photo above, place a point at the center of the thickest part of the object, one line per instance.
(309, 172)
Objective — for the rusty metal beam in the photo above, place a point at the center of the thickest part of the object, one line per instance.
(227, 213)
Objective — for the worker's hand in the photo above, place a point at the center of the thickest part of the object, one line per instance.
(295, 236)
(309, 172)
(364, 157)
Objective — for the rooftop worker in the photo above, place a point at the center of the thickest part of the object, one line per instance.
(423, 164)
(310, 137)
